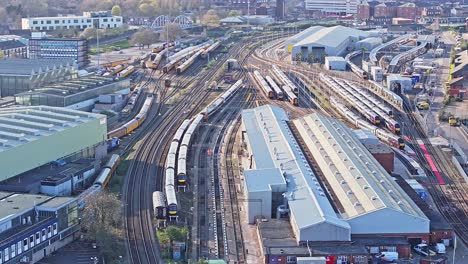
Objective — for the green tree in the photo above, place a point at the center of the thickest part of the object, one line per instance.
(116, 10)
(233, 13)
(146, 9)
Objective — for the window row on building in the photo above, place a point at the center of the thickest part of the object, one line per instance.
(28, 242)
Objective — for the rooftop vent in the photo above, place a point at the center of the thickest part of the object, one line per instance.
(399, 202)
(317, 184)
(382, 181)
(359, 155)
(358, 177)
(365, 187)
(314, 179)
(349, 192)
(322, 194)
(343, 182)
(374, 172)
(373, 198)
(390, 191)
(357, 204)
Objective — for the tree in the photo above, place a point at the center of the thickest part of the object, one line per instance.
(144, 37)
(233, 13)
(102, 212)
(146, 9)
(171, 32)
(210, 19)
(116, 11)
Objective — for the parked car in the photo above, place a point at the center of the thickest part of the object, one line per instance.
(423, 249)
(387, 256)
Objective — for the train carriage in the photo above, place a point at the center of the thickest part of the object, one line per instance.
(170, 176)
(263, 85)
(159, 205)
(131, 125)
(181, 171)
(171, 200)
(291, 96)
(183, 152)
(178, 135)
(278, 92)
(185, 124)
(118, 133)
(170, 161)
(173, 148)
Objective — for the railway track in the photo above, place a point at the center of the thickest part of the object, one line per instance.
(146, 172)
(450, 198)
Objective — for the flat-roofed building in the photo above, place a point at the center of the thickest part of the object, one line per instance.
(33, 136)
(271, 145)
(33, 226)
(78, 93)
(366, 196)
(21, 75)
(98, 19)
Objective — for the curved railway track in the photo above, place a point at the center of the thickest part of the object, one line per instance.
(146, 170)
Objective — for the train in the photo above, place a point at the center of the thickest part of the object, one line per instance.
(212, 48)
(129, 70)
(116, 69)
(373, 117)
(263, 85)
(291, 96)
(153, 63)
(181, 68)
(390, 123)
(101, 181)
(393, 140)
(176, 58)
(358, 71)
(353, 67)
(278, 92)
(283, 79)
(159, 205)
(180, 144)
(133, 124)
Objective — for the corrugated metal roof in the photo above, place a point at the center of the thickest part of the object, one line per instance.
(360, 183)
(20, 125)
(32, 66)
(264, 179)
(332, 36)
(274, 145)
(304, 34)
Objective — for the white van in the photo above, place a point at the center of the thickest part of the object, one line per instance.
(388, 256)
(439, 248)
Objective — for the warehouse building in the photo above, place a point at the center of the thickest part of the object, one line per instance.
(34, 226)
(368, 44)
(328, 41)
(290, 42)
(335, 63)
(365, 194)
(27, 135)
(79, 93)
(271, 145)
(20, 75)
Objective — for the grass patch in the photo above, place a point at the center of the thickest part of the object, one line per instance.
(119, 45)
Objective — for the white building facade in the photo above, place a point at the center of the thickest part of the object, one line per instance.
(101, 19)
(332, 6)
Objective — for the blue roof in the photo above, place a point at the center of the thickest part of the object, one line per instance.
(264, 180)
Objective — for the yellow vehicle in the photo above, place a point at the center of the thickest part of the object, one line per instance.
(453, 121)
(422, 105)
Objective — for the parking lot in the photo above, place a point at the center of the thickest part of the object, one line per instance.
(77, 252)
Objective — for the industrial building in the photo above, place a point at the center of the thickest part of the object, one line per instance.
(34, 226)
(79, 93)
(41, 47)
(34, 136)
(290, 42)
(328, 41)
(381, 152)
(98, 19)
(335, 63)
(405, 83)
(275, 155)
(21, 75)
(317, 165)
(12, 47)
(368, 44)
(366, 196)
(338, 7)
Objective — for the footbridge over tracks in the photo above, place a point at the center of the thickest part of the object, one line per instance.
(184, 22)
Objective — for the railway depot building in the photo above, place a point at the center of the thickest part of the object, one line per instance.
(33, 226)
(32, 137)
(78, 93)
(316, 43)
(21, 75)
(315, 172)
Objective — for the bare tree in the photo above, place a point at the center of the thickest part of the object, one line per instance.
(144, 37)
(102, 212)
(171, 32)
(210, 19)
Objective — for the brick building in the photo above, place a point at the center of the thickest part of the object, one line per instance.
(409, 10)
